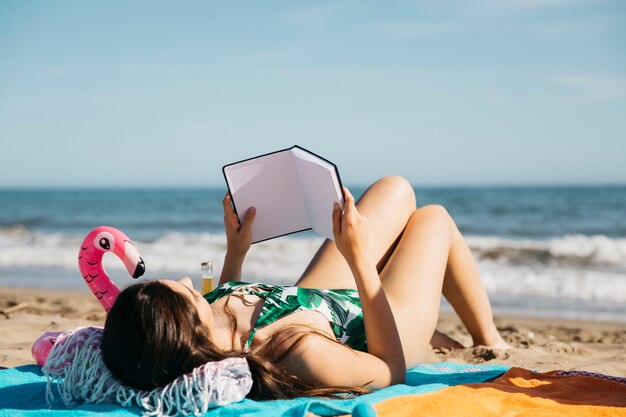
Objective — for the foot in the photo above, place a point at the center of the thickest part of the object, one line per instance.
(496, 342)
(442, 340)
(500, 344)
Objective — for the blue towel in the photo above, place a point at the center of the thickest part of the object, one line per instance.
(22, 393)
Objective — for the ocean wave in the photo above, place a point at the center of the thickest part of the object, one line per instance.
(172, 254)
(568, 251)
(21, 246)
(576, 267)
(606, 289)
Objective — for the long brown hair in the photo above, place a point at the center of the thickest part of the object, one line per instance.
(152, 335)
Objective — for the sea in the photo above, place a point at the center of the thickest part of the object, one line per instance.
(549, 251)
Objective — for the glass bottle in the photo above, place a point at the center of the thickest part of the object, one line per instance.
(206, 269)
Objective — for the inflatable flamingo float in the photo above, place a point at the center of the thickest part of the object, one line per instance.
(99, 241)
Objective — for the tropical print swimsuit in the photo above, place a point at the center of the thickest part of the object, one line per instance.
(342, 308)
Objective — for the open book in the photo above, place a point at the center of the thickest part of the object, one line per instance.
(292, 190)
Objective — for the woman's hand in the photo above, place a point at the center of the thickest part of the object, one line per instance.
(238, 237)
(350, 230)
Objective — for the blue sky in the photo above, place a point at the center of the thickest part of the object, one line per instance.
(444, 93)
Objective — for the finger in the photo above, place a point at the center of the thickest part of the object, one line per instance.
(227, 203)
(247, 221)
(230, 216)
(349, 199)
(231, 221)
(336, 219)
(348, 195)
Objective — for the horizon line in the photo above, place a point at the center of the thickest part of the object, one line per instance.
(75, 187)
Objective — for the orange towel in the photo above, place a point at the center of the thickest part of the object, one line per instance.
(518, 392)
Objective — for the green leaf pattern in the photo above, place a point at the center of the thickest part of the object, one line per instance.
(342, 308)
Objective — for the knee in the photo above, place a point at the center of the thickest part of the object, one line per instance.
(400, 190)
(436, 212)
(438, 220)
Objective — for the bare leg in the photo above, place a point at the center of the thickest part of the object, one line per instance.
(420, 254)
(442, 340)
(388, 204)
(464, 290)
(431, 255)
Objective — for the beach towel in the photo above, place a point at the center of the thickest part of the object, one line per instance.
(519, 392)
(23, 393)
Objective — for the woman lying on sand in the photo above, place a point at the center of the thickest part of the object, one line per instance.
(363, 312)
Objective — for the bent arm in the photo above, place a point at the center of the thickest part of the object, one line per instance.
(238, 241)
(383, 339)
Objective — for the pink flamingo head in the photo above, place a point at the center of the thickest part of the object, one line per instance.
(99, 241)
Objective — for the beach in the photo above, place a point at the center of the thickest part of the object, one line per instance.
(552, 259)
(538, 343)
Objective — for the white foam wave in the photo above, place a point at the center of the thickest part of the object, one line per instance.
(554, 283)
(570, 250)
(174, 254)
(589, 269)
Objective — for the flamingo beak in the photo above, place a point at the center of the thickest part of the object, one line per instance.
(132, 260)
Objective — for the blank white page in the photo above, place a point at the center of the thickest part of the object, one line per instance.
(320, 189)
(270, 184)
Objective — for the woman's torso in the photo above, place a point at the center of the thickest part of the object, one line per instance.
(264, 308)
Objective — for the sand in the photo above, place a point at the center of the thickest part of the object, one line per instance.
(538, 343)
